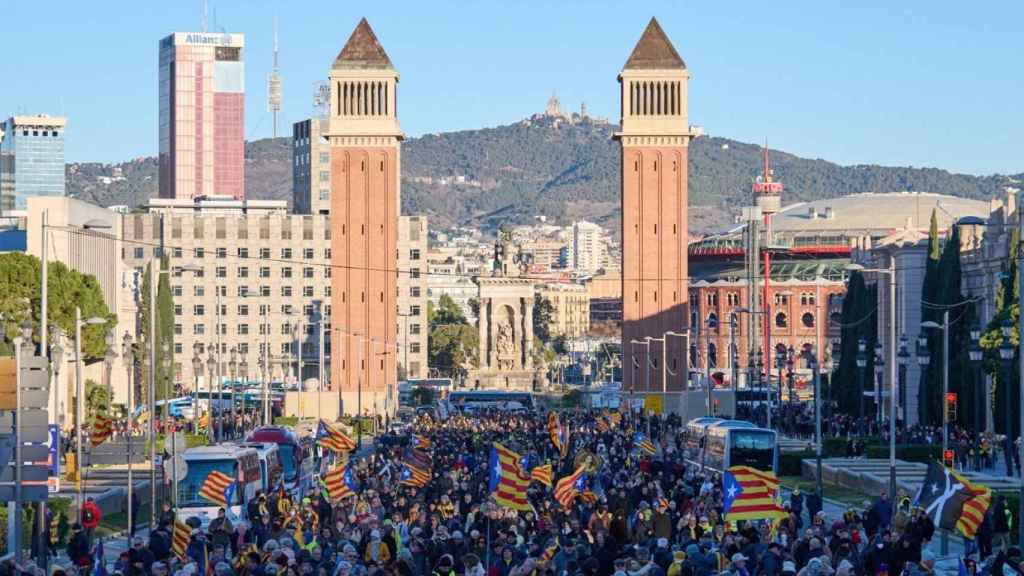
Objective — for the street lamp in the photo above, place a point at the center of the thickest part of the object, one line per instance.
(812, 362)
(780, 363)
(80, 399)
(197, 371)
(862, 362)
(233, 369)
(903, 360)
(976, 354)
(930, 325)
(1006, 351)
(211, 367)
(879, 370)
(128, 353)
(243, 370)
(790, 375)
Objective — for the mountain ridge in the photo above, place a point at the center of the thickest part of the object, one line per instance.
(561, 167)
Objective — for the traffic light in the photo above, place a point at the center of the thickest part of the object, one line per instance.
(950, 406)
(948, 457)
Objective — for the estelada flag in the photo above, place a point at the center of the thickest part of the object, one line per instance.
(569, 487)
(749, 494)
(102, 429)
(542, 474)
(218, 488)
(414, 475)
(974, 508)
(180, 537)
(330, 437)
(421, 442)
(558, 434)
(644, 443)
(508, 481)
(340, 483)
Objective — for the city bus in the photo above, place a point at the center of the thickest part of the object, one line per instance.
(739, 443)
(238, 462)
(694, 439)
(270, 464)
(295, 453)
(483, 399)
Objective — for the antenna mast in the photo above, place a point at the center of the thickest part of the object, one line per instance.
(274, 85)
(205, 11)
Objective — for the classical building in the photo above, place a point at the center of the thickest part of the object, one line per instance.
(570, 308)
(202, 115)
(311, 167)
(412, 297)
(655, 137)
(365, 139)
(505, 324)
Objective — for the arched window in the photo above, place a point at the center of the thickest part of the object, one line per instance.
(780, 320)
(712, 355)
(693, 355)
(807, 320)
(712, 321)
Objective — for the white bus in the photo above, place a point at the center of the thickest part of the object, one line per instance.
(740, 443)
(238, 462)
(696, 436)
(270, 464)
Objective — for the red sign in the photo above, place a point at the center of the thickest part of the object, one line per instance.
(951, 397)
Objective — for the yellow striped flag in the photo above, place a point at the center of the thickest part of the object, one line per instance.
(549, 552)
(102, 429)
(332, 438)
(974, 508)
(179, 538)
(421, 442)
(569, 487)
(644, 443)
(413, 475)
(750, 494)
(602, 425)
(508, 481)
(217, 488)
(340, 483)
(542, 474)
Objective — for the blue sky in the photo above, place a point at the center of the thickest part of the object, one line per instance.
(922, 83)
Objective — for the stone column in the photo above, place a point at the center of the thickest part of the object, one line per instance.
(528, 332)
(483, 319)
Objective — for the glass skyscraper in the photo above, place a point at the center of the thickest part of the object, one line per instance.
(31, 159)
(202, 115)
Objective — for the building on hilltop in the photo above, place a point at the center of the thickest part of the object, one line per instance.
(202, 115)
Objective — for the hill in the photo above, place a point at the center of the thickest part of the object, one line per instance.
(550, 166)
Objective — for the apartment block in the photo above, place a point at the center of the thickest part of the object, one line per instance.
(570, 303)
(412, 297)
(311, 167)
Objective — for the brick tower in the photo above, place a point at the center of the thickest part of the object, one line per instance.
(364, 139)
(654, 138)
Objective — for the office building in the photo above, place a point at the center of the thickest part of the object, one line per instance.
(570, 308)
(412, 297)
(202, 115)
(311, 167)
(365, 141)
(31, 159)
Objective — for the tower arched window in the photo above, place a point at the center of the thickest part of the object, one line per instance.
(712, 355)
(643, 100)
(807, 320)
(781, 321)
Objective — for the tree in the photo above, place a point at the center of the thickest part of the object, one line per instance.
(542, 313)
(446, 312)
(97, 400)
(452, 348)
(165, 336)
(422, 396)
(858, 320)
(1006, 391)
(20, 300)
(928, 406)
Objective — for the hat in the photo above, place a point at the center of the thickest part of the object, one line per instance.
(375, 534)
(739, 557)
(692, 549)
(788, 566)
(662, 542)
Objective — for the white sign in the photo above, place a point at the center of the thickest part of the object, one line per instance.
(175, 443)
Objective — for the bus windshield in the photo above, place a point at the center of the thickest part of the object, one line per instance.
(287, 456)
(198, 470)
(754, 448)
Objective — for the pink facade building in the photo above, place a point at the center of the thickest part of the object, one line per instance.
(202, 115)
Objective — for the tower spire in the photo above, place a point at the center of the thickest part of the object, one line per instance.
(274, 85)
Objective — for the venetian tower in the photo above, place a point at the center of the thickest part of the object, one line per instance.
(365, 142)
(655, 138)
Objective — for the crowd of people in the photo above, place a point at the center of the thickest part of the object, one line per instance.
(646, 515)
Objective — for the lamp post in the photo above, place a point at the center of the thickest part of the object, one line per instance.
(780, 364)
(879, 372)
(233, 370)
(197, 372)
(128, 353)
(243, 371)
(837, 356)
(812, 362)
(903, 360)
(80, 399)
(759, 370)
(945, 373)
(1006, 351)
(211, 367)
(862, 363)
(976, 354)
(790, 357)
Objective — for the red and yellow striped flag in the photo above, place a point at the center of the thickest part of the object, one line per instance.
(332, 438)
(340, 483)
(216, 487)
(750, 494)
(508, 481)
(567, 488)
(974, 508)
(102, 429)
(179, 538)
(542, 474)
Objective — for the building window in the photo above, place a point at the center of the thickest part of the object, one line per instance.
(414, 273)
(286, 272)
(264, 271)
(243, 252)
(325, 176)
(712, 298)
(177, 309)
(733, 298)
(243, 272)
(286, 291)
(414, 347)
(176, 290)
(198, 291)
(198, 310)
(781, 299)
(307, 253)
(222, 271)
(414, 310)
(414, 329)
(199, 329)
(307, 291)
(243, 291)
(265, 291)
(140, 253)
(264, 253)
(222, 252)
(286, 253)
(414, 254)
(243, 309)
(781, 321)
(307, 272)
(243, 329)
(807, 320)
(807, 299)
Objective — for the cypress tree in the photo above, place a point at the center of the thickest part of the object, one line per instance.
(930, 287)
